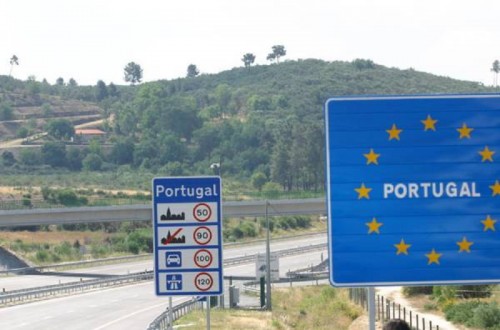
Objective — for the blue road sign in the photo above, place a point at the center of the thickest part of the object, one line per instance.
(187, 222)
(173, 259)
(413, 189)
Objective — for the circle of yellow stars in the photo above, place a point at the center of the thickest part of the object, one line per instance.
(372, 158)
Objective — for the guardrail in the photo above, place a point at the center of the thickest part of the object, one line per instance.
(163, 322)
(73, 264)
(95, 262)
(19, 296)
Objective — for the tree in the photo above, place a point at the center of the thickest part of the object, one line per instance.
(60, 81)
(14, 60)
(6, 112)
(112, 90)
(133, 73)
(60, 129)
(258, 179)
(72, 82)
(122, 152)
(278, 51)
(92, 162)
(101, 91)
(495, 69)
(54, 154)
(192, 71)
(362, 64)
(8, 158)
(248, 59)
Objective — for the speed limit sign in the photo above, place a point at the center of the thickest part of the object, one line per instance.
(187, 220)
(202, 212)
(202, 235)
(203, 281)
(203, 258)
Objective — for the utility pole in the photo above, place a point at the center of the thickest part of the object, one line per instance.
(268, 261)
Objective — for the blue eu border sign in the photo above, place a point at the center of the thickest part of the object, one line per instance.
(413, 189)
(187, 222)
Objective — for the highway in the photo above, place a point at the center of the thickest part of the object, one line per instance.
(131, 306)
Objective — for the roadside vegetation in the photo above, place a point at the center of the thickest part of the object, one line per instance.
(311, 307)
(474, 306)
(43, 245)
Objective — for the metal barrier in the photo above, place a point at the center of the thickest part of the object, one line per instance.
(23, 295)
(20, 296)
(163, 322)
(73, 264)
(387, 309)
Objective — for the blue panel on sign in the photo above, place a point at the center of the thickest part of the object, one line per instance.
(413, 189)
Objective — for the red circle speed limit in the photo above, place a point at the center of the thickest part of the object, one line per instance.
(202, 235)
(203, 258)
(202, 212)
(203, 281)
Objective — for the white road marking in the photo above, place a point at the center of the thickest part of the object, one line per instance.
(130, 315)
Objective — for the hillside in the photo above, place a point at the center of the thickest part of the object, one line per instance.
(263, 122)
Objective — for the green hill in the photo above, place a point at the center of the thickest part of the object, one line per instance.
(264, 122)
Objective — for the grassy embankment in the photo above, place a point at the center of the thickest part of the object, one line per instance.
(315, 307)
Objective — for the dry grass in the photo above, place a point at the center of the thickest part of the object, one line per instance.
(227, 319)
(312, 307)
(51, 237)
(316, 307)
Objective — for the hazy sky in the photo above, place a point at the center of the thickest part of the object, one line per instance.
(91, 40)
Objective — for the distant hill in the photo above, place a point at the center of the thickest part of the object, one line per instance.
(263, 122)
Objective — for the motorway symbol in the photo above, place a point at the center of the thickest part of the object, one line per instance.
(202, 212)
(174, 282)
(202, 235)
(174, 238)
(203, 281)
(173, 259)
(203, 258)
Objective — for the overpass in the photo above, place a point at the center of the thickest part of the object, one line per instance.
(144, 212)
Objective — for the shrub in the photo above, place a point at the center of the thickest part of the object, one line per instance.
(303, 222)
(42, 256)
(487, 316)
(409, 291)
(263, 224)
(236, 232)
(248, 229)
(462, 313)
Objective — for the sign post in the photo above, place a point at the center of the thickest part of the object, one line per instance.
(187, 222)
(413, 190)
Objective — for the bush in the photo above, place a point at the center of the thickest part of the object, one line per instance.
(474, 291)
(462, 313)
(237, 233)
(409, 291)
(248, 229)
(42, 256)
(303, 222)
(487, 316)
(263, 224)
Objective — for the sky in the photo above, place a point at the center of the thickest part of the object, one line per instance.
(91, 40)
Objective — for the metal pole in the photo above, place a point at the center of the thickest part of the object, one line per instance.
(208, 312)
(268, 262)
(371, 307)
(170, 315)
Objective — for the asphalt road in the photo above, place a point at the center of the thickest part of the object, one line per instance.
(131, 306)
(29, 281)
